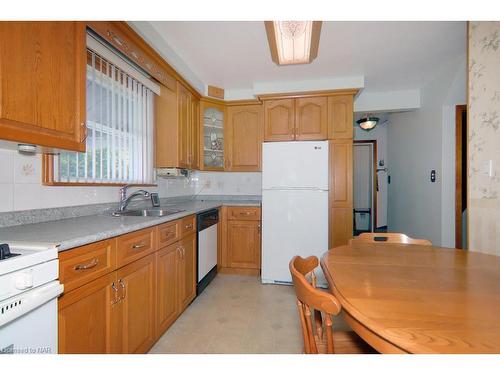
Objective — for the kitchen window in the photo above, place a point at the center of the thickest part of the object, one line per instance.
(120, 108)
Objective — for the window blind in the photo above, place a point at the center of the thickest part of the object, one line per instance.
(119, 129)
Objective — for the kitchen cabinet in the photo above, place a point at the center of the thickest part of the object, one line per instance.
(187, 271)
(87, 318)
(213, 116)
(311, 119)
(177, 129)
(300, 119)
(137, 305)
(240, 250)
(279, 120)
(43, 83)
(341, 194)
(244, 244)
(340, 117)
(126, 309)
(167, 260)
(243, 138)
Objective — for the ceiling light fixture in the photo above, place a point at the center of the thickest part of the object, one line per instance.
(368, 122)
(293, 42)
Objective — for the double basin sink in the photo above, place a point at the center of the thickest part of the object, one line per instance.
(153, 212)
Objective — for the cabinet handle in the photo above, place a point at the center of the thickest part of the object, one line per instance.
(189, 226)
(92, 264)
(180, 251)
(246, 213)
(124, 292)
(259, 228)
(84, 132)
(115, 289)
(138, 246)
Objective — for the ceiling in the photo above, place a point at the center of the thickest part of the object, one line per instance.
(390, 55)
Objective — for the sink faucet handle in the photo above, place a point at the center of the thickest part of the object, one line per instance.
(123, 191)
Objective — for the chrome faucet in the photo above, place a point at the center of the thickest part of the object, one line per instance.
(124, 200)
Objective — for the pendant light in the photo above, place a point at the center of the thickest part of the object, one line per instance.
(368, 122)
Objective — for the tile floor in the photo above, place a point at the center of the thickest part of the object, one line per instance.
(236, 314)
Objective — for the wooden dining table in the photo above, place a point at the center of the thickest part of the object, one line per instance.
(417, 299)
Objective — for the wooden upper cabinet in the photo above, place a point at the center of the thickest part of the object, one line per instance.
(311, 119)
(340, 117)
(166, 128)
(184, 99)
(195, 133)
(211, 138)
(42, 83)
(243, 138)
(279, 120)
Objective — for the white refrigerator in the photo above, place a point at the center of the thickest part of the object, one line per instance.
(294, 206)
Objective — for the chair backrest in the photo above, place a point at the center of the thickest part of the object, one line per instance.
(313, 301)
(388, 238)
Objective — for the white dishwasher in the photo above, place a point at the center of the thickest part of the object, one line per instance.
(207, 224)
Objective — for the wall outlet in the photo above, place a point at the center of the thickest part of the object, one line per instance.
(487, 168)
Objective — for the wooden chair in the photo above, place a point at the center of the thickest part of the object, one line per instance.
(388, 238)
(319, 338)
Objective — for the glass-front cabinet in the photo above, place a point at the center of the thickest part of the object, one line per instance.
(212, 128)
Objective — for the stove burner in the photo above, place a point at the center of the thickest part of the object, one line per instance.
(5, 252)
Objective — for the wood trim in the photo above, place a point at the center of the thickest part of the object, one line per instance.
(215, 92)
(315, 35)
(48, 176)
(241, 102)
(307, 94)
(459, 109)
(273, 48)
(239, 271)
(375, 178)
(126, 40)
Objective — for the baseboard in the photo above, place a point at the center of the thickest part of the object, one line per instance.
(240, 271)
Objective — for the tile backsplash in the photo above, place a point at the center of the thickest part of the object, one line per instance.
(21, 187)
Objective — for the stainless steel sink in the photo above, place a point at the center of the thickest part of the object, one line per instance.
(155, 212)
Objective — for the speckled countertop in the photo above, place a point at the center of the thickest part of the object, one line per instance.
(78, 231)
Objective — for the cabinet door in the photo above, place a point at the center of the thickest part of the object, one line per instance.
(137, 283)
(166, 128)
(185, 112)
(341, 201)
(212, 125)
(340, 117)
(187, 271)
(195, 132)
(279, 120)
(42, 92)
(167, 308)
(243, 248)
(86, 318)
(311, 119)
(243, 138)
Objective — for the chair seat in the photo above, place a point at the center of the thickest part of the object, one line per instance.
(345, 342)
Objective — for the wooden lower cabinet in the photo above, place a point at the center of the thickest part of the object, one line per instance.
(167, 260)
(187, 271)
(87, 316)
(137, 284)
(244, 244)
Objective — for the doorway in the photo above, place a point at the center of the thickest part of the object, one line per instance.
(461, 177)
(365, 186)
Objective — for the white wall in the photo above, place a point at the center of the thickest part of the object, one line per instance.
(419, 142)
(227, 183)
(379, 133)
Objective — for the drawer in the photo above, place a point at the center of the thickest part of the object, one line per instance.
(84, 264)
(188, 225)
(168, 233)
(135, 245)
(243, 213)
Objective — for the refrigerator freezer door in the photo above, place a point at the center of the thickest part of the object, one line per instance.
(293, 223)
(299, 165)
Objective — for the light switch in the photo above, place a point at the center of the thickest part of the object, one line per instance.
(487, 168)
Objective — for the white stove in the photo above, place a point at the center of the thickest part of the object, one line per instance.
(28, 298)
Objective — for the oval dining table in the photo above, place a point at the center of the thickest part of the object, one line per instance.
(417, 299)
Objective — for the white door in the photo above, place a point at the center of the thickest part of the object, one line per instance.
(295, 165)
(293, 223)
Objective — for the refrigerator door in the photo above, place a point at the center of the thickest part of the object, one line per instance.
(299, 165)
(294, 222)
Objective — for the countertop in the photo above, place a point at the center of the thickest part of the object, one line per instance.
(78, 231)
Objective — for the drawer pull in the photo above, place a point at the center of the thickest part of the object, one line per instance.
(189, 226)
(247, 213)
(138, 246)
(82, 267)
(115, 289)
(124, 293)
